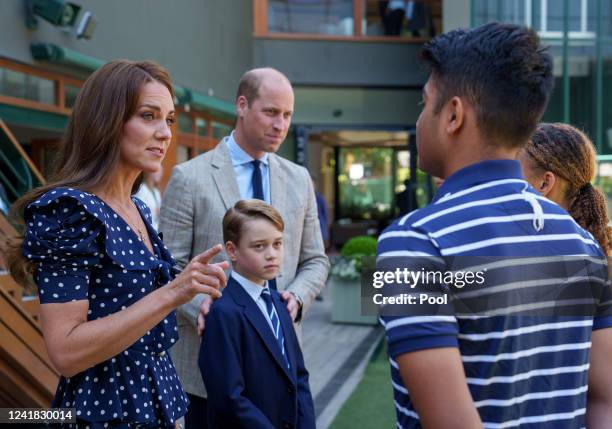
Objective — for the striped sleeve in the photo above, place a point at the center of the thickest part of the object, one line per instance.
(415, 328)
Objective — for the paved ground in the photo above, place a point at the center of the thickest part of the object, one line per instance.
(335, 355)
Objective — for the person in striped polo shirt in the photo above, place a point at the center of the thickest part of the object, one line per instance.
(506, 368)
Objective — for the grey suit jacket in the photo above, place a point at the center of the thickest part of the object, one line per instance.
(200, 191)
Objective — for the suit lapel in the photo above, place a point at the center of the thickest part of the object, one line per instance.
(259, 322)
(278, 189)
(224, 175)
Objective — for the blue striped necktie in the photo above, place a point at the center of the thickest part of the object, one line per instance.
(277, 328)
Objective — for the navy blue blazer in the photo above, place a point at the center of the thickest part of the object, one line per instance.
(248, 383)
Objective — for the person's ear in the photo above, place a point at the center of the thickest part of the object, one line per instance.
(455, 115)
(231, 250)
(547, 183)
(241, 105)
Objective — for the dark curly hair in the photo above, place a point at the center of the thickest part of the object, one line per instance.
(569, 154)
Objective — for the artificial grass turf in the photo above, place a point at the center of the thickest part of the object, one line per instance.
(370, 406)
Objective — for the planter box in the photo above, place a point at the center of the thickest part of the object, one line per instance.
(346, 302)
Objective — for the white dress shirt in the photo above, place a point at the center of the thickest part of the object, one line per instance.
(254, 290)
(244, 169)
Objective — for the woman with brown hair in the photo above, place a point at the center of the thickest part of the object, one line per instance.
(560, 162)
(106, 282)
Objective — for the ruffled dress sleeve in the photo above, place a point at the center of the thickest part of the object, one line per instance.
(84, 250)
(63, 238)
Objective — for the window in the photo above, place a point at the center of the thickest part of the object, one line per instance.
(545, 16)
(406, 19)
(606, 20)
(201, 126)
(347, 19)
(549, 20)
(185, 123)
(21, 85)
(197, 132)
(26, 86)
(365, 183)
(311, 16)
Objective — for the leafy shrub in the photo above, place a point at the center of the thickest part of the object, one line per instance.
(362, 245)
(348, 265)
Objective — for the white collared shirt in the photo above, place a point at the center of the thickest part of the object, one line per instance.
(244, 169)
(254, 290)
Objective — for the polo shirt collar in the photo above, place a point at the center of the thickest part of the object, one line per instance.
(480, 172)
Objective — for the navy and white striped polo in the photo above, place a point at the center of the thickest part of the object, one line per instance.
(522, 371)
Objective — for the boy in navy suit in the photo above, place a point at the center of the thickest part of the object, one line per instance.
(250, 358)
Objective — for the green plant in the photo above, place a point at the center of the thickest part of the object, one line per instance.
(362, 245)
(348, 265)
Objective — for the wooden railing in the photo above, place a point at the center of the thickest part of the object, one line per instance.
(27, 377)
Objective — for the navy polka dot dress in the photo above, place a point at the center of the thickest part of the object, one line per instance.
(85, 251)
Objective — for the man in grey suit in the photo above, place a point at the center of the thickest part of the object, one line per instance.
(243, 165)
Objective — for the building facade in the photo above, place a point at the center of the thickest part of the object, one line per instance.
(579, 33)
(357, 82)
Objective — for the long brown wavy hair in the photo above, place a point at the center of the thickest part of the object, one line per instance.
(89, 151)
(569, 154)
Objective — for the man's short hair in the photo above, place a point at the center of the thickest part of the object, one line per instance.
(501, 70)
(251, 82)
(245, 210)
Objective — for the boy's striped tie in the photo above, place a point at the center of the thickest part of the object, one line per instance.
(277, 328)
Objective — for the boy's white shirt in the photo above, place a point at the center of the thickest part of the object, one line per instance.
(254, 291)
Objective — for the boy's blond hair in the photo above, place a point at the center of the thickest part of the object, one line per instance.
(245, 210)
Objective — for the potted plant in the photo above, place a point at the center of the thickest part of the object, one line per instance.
(345, 281)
